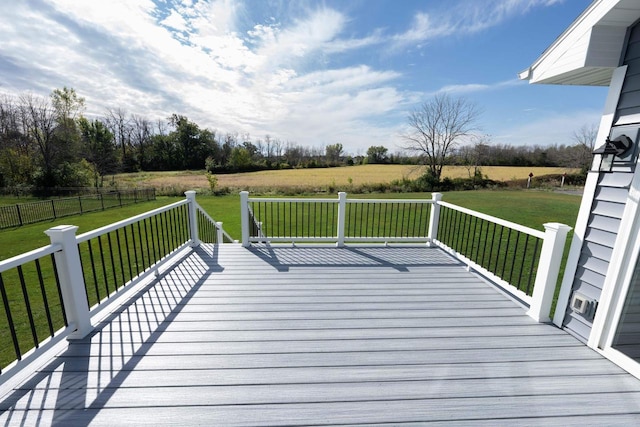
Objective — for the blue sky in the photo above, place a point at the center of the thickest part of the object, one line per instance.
(309, 72)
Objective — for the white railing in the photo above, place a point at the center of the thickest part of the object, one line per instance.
(119, 255)
(524, 261)
(340, 221)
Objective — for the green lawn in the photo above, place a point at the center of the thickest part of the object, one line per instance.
(530, 208)
(18, 240)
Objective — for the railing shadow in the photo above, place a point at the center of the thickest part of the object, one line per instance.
(400, 258)
(87, 374)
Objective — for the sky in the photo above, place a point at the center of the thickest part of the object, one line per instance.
(304, 71)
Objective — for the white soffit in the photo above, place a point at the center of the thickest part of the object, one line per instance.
(588, 51)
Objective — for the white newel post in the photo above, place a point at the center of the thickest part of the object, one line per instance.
(219, 236)
(342, 214)
(548, 268)
(244, 217)
(74, 296)
(193, 218)
(434, 218)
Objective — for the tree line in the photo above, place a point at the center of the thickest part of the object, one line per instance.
(49, 142)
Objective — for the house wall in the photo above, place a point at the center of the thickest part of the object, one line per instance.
(629, 104)
(609, 200)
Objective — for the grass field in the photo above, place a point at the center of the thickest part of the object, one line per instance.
(15, 241)
(318, 179)
(530, 208)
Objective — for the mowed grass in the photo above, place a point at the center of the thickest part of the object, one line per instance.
(530, 208)
(319, 179)
(15, 241)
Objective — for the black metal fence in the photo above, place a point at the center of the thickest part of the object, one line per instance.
(33, 296)
(208, 230)
(46, 210)
(506, 251)
(110, 260)
(31, 308)
(294, 218)
(387, 219)
(318, 219)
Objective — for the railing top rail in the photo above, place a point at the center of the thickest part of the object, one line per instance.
(298, 200)
(335, 200)
(116, 225)
(424, 201)
(531, 231)
(18, 260)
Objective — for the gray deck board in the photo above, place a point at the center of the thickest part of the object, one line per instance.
(323, 336)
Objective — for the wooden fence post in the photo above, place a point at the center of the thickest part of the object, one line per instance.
(244, 217)
(193, 218)
(74, 296)
(548, 269)
(434, 218)
(342, 215)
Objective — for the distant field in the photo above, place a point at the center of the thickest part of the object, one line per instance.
(320, 178)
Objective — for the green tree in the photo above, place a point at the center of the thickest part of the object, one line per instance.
(333, 154)
(377, 154)
(99, 148)
(240, 159)
(68, 108)
(51, 125)
(191, 141)
(164, 154)
(16, 150)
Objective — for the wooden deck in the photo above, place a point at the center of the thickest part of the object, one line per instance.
(323, 336)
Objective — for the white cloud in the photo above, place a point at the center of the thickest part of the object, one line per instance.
(463, 18)
(175, 21)
(204, 60)
(479, 87)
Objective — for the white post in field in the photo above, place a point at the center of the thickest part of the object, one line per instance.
(342, 215)
(434, 218)
(244, 217)
(219, 236)
(548, 269)
(193, 218)
(72, 287)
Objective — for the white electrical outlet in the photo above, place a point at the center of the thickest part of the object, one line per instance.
(579, 303)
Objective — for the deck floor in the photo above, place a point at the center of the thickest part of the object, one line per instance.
(323, 336)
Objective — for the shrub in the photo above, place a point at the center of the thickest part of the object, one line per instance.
(213, 182)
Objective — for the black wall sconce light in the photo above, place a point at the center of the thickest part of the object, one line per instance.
(611, 152)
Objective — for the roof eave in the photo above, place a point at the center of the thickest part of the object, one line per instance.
(588, 51)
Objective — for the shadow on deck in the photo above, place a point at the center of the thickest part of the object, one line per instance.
(322, 336)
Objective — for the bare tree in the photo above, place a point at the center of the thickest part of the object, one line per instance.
(120, 126)
(39, 124)
(141, 131)
(475, 155)
(585, 139)
(268, 142)
(437, 126)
